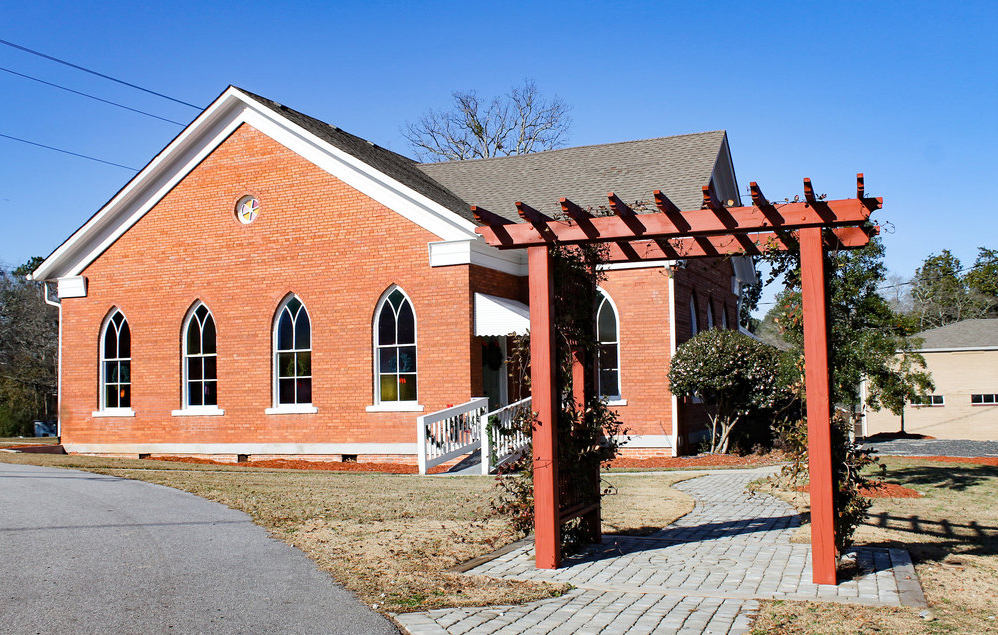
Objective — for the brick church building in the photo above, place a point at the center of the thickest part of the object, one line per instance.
(270, 285)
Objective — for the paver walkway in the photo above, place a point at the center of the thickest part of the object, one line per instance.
(703, 574)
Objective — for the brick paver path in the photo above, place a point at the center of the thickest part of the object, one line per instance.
(702, 574)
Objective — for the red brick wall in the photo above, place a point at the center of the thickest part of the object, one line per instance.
(337, 249)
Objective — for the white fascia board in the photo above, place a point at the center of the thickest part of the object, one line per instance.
(197, 141)
(71, 287)
(476, 251)
(644, 264)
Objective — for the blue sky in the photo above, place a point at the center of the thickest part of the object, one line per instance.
(905, 92)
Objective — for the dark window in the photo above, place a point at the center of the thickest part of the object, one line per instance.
(395, 345)
(116, 362)
(200, 368)
(293, 354)
(608, 335)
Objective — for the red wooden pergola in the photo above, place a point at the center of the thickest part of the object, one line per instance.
(813, 225)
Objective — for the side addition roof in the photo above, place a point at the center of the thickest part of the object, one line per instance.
(679, 166)
(965, 335)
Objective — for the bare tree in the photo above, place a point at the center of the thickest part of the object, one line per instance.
(518, 122)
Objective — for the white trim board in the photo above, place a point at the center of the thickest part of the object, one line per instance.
(242, 448)
(232, 109)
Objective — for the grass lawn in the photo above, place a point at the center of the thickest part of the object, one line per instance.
(952, 535)
(389, 538)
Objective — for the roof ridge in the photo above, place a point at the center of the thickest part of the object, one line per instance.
(588, 145)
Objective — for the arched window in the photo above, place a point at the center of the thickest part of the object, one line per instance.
(116, 363)
(395, 349)
(200, 371)
(693, 314)
(292, 354)
(710, 313)
(608, 335)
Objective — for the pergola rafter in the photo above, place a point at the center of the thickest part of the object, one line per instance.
(813, 225)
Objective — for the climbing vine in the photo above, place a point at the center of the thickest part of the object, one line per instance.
(589, 434)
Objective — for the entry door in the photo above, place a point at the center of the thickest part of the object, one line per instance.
(494, 382)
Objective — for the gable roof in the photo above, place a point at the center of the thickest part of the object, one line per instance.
(968, 334)
(401, 168)
(679, 166)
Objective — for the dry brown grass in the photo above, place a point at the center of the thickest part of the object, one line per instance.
(952, 535)
(389, 538)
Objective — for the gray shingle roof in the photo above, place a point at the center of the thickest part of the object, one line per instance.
(965, 334)
(402, 169)
(679, 166)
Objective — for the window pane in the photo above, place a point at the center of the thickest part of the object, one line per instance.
(608, 356)
(210, 393)
(293, 305)
(304, 390)
(407, 359)
(608, 383)
(606, 327)
(303, 332)
(407, 388)
(193, 338)
(194, 369)
(977, 399)
(110, 342)
(286, 391)
(406, 325)
(386, 326)
(124, 396)
(124, 341)
(111, 372)
(285, 364)
(389, 388)
(210, 371)
(304, 367)
(208, 336)
(285, 332)
(989, 398)
(111, 396)
(123, 372)
(194, 393)
(396, 298)
(389, 359)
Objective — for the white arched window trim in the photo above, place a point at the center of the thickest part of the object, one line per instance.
(391, 406)
(611, 400)
(278, 408)
(710, 313)
(103, 409)
(187, 410)
(694, 329)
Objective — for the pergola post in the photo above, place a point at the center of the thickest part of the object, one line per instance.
(814, 299)
(547, 540)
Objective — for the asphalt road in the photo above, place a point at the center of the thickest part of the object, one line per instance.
(934, 447)
(84, 553)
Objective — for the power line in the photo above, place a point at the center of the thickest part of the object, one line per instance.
(75, 154)
(92, 72)
(106, 101)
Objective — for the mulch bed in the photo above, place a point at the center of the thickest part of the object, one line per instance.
(979, 460)
(881, 489)
(700, 461)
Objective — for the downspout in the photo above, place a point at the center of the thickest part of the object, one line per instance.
(670, 268)
(58, 388)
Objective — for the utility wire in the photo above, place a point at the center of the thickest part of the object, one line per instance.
(75, 154)
(92, 72)
(106, 101)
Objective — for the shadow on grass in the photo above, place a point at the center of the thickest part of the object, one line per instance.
(948, 537)
(952, 476)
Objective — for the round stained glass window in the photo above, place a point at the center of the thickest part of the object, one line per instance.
(247, 209)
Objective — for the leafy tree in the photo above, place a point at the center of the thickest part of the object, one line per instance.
(29, 334)
(735, 376)
(867, 337)
(941, 294)
(519, 122)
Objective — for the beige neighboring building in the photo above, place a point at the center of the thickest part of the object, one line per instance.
(963, 360)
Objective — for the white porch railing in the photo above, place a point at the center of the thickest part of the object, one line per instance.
(450, 433)
(501, 441)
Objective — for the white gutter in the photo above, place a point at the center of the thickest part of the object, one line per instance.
(58, 386)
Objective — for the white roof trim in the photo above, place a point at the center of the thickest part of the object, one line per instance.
(500, 316)
(956, 349)
(198, 140)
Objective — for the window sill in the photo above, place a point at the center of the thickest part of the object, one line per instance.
(616, 401)
(199, 411)
(292, 409)
(113, 412)
(396, 406)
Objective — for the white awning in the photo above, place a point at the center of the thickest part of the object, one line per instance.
(500, 316)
